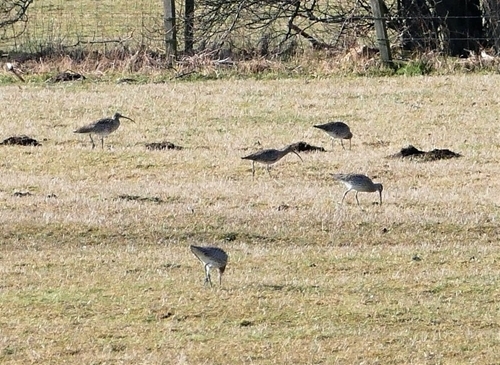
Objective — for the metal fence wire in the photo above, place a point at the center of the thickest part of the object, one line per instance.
(132, 24)
(70, 23)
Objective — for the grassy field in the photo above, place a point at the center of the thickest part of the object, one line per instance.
(66, 22)
(88, 277)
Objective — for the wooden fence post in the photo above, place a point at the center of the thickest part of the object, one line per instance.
(170, 31)
(189, 27)
(381, 32)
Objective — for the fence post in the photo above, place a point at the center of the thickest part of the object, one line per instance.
(189, 27)
(381, 32)
(170, 31)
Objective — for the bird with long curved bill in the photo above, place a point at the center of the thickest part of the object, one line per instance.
(211, 258)
(102, 127)
(337, 130)
(270, 156)
(359, 182)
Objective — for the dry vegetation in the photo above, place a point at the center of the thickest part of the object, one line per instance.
(90, 278)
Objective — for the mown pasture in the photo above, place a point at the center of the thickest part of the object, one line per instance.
(95, 264)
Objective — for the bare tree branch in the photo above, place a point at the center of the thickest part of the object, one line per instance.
(280, 21)
(13, 11)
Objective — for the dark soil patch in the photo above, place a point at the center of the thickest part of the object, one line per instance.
(306, 147)
(20, 141)
(21, 194)
(67, 75)
(162, 146)
(412, 152)
(152, 199)
(377, 144)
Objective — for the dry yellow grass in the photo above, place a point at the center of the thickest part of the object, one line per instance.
(90, 278)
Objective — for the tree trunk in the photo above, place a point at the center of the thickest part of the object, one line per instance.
(461, 25)
(418, 27)
(453, 26)
(492, 16)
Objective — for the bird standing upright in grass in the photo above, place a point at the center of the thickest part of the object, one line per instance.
(359, 182)
(102, 127)
(270, 156)
(211, 257)
(10, 67)
(338, 130)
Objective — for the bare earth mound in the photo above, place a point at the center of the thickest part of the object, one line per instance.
(412, 152)
(67, 75)
(162, 146)
(306, 147)
(20, 141)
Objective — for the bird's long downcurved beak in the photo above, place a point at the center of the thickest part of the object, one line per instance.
(298, 155)
(133, 121)
(380, 194)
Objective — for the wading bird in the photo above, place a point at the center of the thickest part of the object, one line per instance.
(102, 127)
(359, 182)
(338, 130)
(211, 257)
(270, 156)
(10, 67)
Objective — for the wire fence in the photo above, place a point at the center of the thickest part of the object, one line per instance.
(68, 23)
(106, 24)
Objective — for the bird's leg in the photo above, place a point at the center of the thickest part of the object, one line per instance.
(350, 144)
(102, 142)
(207, 275)
(344, 196)
(209, 280)
(268, 167)
(342, 143)
(253, 170)
(357, 197)
(91, 140)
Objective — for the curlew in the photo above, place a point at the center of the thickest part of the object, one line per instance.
(211, 257)
(102, 127)
(10, 67)
(338, 130)
(270, 156)
(359, 183)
